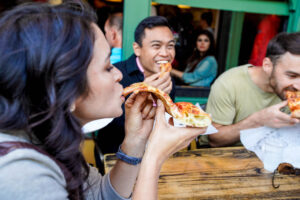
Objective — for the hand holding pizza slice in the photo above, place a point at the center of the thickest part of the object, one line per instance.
(185, 112)
(293, 99)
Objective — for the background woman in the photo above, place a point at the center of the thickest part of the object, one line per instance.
(202, 66)
(55, 77)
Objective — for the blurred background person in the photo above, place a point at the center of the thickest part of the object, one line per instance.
(206, 21)
(266, 30)
(202, 66)
(113, 32)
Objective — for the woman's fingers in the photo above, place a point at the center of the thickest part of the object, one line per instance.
(147, 109)
(142, 102)
(151, 114)
(137, 100)
(160, 111)
(131, 99)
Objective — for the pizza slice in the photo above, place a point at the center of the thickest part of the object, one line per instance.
(293, 98)
(165, 67)
(184, 112)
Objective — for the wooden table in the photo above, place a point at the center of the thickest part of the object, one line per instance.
(220, 173)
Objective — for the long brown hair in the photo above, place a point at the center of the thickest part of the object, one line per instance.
(196, 57)
(45, 52)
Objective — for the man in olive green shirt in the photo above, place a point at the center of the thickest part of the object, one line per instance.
(248, 96)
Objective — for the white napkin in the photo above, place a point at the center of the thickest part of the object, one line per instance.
(96, 125)
(258, 140)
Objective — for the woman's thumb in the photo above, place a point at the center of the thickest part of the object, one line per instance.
(160, 111)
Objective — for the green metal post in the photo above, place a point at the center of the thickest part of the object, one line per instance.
(294, 16)
(134, 12)
(250, 6)
(235, 36)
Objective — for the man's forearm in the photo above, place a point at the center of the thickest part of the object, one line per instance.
(230, 134)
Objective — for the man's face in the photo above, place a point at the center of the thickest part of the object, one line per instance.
(158, 46)
(286, 74)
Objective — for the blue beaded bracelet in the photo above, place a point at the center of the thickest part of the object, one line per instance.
(128, 159)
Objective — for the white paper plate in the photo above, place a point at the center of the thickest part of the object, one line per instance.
(96, 125)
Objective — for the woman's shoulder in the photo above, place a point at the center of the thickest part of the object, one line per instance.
(25, 152)
(34, 176)
(34, 172)
(210, 59)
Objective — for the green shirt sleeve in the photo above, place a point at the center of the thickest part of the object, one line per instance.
(221, 102)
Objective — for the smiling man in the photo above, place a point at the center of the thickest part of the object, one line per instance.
(154, 44)
(249, 96)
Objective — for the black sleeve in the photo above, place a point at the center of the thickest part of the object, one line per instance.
(173, 91)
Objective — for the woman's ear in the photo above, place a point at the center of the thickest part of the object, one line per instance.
(267, 66)
(136, 49)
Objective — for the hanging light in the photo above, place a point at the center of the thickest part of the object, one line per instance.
(114, 1)
(184, 6)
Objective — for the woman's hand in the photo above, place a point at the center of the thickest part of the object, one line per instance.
(166, 139)
(176, 73)
(139, 118)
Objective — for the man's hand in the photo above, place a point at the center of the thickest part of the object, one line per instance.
(163, 83)
(273, 117)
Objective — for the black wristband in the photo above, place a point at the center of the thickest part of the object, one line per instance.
(128, 159)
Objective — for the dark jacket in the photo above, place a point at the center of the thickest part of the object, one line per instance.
(110, 137)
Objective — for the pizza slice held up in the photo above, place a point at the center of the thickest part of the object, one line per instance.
(164, 68)
(293, 99)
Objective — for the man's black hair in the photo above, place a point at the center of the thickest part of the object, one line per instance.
(282, 43)
(208, 17)
(149, 22)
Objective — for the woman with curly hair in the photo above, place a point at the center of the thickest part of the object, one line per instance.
(55, 77)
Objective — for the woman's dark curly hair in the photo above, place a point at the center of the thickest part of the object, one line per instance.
(45, 52)
(196, 57)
